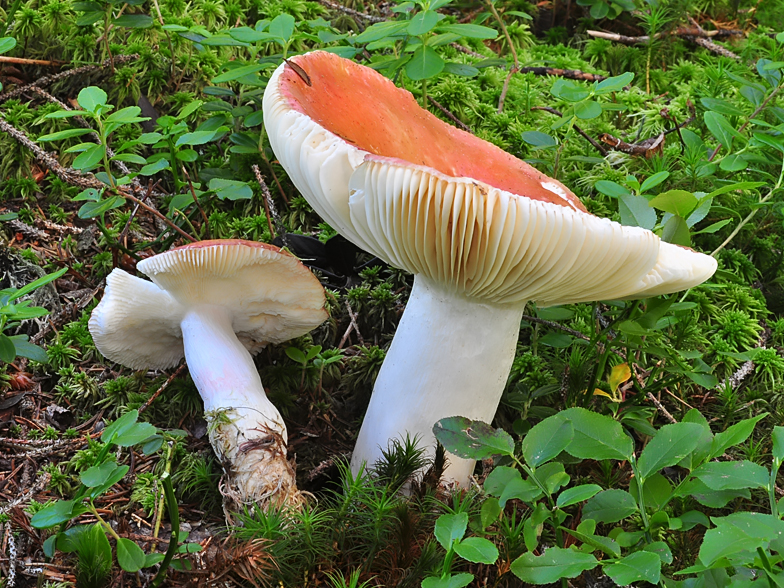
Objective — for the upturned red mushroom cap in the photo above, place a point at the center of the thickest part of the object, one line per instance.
(442, 203)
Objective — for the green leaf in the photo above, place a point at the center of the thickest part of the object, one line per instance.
(679, 202)
(460, 69)
(129, 555)
(669, 446)
(65, 114)
(469, 31)
(89, 18)
(137, 433)
(599, 9)
(6, 44)
(450, 528)
(472, 439)
(778, 443)
(519, 489)
(88, 159)
(35, 284)
(577, 494)
(714, 227)
(93, 209)
(424, 64)
(636, 211)
(60, 512)
(610, 506)
(733, 187)
(122, 424)
(92, 98)
(539, 140)
(190, 108)
(554, 564)
(654, 180)
(235, 74)
(661, 549)
(614, 84)
(129, 158)
(546, 440)
(477, 550)
(153, 168)
(450, 581)
(734, 435)
(611, 189)
(133, 21)
(569, 90)
(738, 532)
(597, 436)
(282, 26)
(97, 475)
(423, 22)
(7, 348)
(230, 189)
(603, 544)
(721, 106)
(732, 475)
(66, 134)
(26, 349)
(491, 510)
(721, 129)
(380, 31)
(733, 162)
(641, 566)
(676, 231)
(198, 137)
(587, 109)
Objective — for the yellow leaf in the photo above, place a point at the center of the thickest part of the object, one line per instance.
(598, 392)
(619, 374)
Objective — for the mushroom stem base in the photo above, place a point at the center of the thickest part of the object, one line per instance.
(451, 356)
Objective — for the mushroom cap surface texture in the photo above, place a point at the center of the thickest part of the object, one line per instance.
(440, 202)
(271, 296)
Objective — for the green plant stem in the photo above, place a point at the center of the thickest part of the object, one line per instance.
(166, 471)
(641, 499)
(174, 518)
(104, 524)
(751, 214)
(504, 30)
(424, 93)
(774, 472)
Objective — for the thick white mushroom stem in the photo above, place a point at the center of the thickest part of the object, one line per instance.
(450, 357)
(246, 430)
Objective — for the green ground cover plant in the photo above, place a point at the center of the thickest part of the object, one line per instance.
(637, 442)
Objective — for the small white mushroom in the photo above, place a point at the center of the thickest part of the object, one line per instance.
(482, 231)
(215, 303)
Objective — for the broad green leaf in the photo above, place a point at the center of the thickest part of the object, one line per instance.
(424, 64)
(129, 158)
(546, 440)
(134, 434)
(587, 109)
(230, 189)
(282, 26)
(65, 114)
(641, 566)
(450, 528)
(738, 532)
(472, 439)
(679, 202)
(554, 564)
(190, 108)
(133, 21)
(636, 211)
(477, 550)
(734, 435)
(721, 129)
(37, 283)
(661, 549)
(732, 475)
(520, 489)
(778, 443)
(129, 555)
(470, 31)
(198, 137)
(733, 187)
(54, 514)
(614, 83)
(91, 98)
(97, 475)
(153, 168)
(539, 140)
(88, 159)
(66, 134)
(114, 477)
(93, 209)
(603, 544)
(669, 446)
(577, 494)
(234, 74)
(611, 189)
(654, 180)
(460, 69)
(6, 44)
(450, 581)
(711, 498)
(597, 436)
(599, 9)
(7, 348)
(721, 106)
(121, 425)
(491, 510)
(610, 506)
(499, 478)
(733, 162)
(676, 231)
(714, 227)
(381, 30)
(569, 90)
(26, 349)
(423, 22)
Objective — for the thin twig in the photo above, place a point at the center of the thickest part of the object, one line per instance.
(23, 61)
(163, 387)
(353, 317)
(352, 12)
(267, 197)
(660, 407)
(449, 115)
(198, 204)
(590, 139)
(754, 114)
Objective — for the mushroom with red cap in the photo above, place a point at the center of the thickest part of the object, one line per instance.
(216, 303)
(483, 232)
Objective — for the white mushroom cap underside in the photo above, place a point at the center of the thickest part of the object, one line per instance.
(487, 243)
(271, 296)
(137, 324)
(319, 163)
